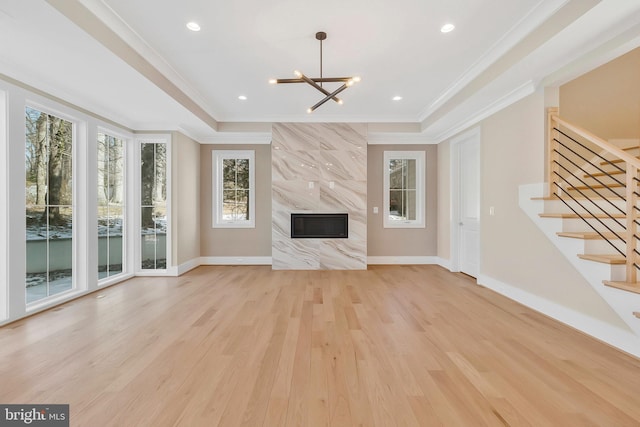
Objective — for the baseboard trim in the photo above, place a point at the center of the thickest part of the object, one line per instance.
(232, 260)
(616, 337)
(264, 260)
(407, 260)
(444, 263)
(169, 272)
(188, 266)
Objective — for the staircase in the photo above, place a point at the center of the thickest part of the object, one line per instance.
(591, 211)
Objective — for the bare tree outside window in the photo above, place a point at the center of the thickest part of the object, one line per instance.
(110, 205)
(49, 210)
(153, 194)
(235, 196)
(233, 182)
(404, 189)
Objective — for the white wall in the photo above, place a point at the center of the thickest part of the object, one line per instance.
(186, 198)
(444, 200)
(606, 100)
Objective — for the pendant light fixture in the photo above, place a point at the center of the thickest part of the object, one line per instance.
(317, 83)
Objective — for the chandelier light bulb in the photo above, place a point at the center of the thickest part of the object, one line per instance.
(297, 73)
(309, 110)
(340, 102)
(356, 79)
(273, 81)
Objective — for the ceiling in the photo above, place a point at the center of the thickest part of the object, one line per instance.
(136, 63)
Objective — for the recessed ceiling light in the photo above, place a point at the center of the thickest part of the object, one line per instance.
(242, 98)
(193, 26)
(397, 98)
(447, 28)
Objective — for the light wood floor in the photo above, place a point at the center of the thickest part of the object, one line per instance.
(232, 346)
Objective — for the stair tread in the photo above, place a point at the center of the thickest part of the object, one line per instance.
(604, 258)
(626, 286)
(614, 161)
(586, 215)
(568, 199)
(586, 235)
(599, 174)
(597, 186)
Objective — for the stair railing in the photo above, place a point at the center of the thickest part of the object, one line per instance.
(566, 157)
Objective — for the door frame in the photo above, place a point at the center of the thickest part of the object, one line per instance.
(454, 201)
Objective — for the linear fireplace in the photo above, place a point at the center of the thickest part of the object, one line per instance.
(320, 225)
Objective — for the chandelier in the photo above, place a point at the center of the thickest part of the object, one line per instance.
(318, 82)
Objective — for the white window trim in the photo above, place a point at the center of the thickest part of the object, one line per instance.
(419, 157)
(78, 205)
(4, 241)
(217, 156)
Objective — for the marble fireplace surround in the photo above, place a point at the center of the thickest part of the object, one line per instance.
(319, 168)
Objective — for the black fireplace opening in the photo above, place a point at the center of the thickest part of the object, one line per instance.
(320, 225)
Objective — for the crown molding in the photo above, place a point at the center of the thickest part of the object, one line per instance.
(98, 20)
(515, 35)
(619, 45)
(398, 138)
(36, 86)
(233, 138)
(113, 21)
(504, 101)
(318, 117)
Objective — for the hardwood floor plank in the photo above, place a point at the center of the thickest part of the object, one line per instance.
(249, 346)
(298, 410)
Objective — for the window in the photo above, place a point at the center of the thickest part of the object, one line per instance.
(110, 205)
(233, 189)
(404, 189)
(153, 193)
(49, 205)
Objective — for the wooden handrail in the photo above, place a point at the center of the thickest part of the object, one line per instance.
(631, 226)
(605, 145)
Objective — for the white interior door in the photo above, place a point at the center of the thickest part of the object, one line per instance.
(468, 198)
